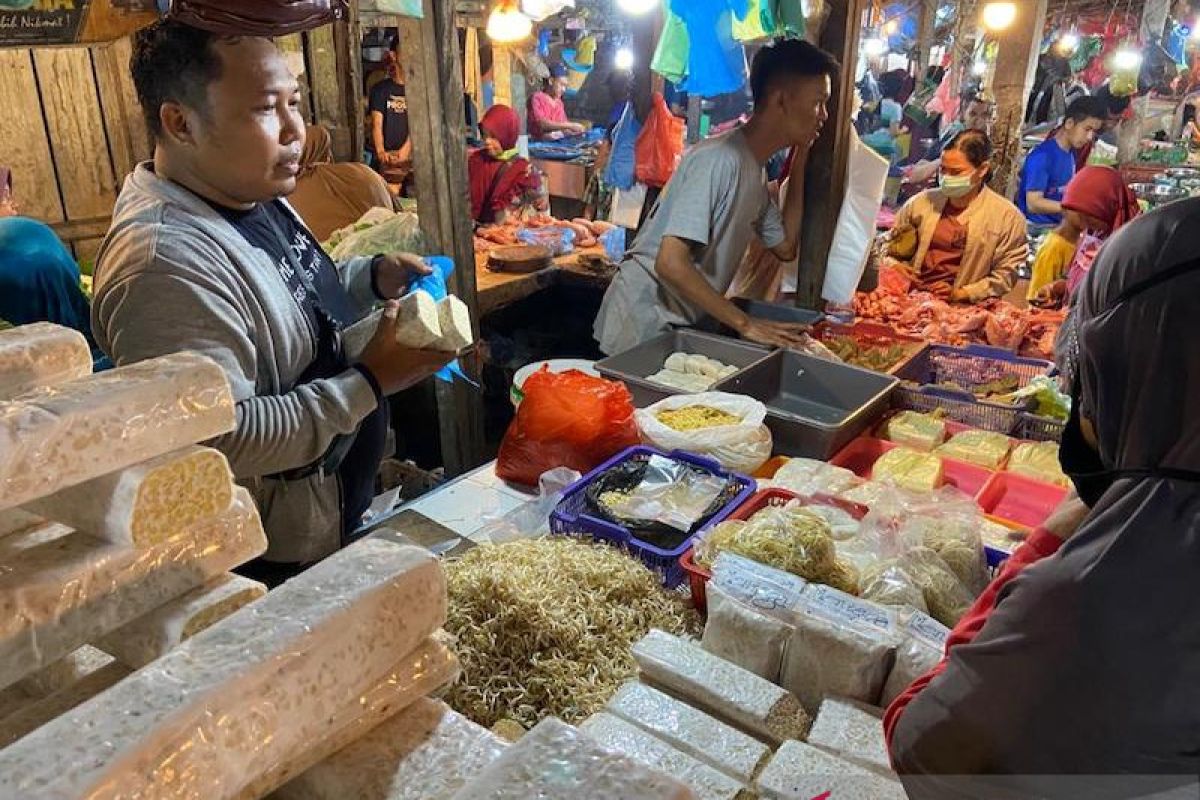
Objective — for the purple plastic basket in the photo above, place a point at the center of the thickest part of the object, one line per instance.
(570, 517)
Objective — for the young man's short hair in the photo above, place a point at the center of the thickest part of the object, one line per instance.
(788, 58)
(173, 62)
(1083, 108)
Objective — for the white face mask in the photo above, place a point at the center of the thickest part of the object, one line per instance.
(954, 186)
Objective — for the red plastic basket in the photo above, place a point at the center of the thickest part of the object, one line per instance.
(698, 576)
(861, 454)
(1020, 500)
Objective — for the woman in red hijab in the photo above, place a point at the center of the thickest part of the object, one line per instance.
(1098, 203)
(499, 178)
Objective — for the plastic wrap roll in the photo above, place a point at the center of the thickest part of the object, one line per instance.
(234, 703)
(41, 354)
(59, 437)
(60, 589)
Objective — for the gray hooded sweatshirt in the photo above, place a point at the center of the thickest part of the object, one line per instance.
(173, 275)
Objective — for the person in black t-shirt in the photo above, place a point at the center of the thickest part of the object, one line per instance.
(389, 140)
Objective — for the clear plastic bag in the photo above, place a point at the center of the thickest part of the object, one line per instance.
(743, 447)
(559, 240)
(806, 476)
(744, 636)
(529, 520)
(378, 231)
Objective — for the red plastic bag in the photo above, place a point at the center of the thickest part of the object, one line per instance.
(258, 18)
(568, 419)
(659, 145)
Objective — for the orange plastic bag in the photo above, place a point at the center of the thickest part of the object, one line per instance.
(568, 419)
(659, 145)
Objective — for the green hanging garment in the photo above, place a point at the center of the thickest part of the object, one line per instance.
(671, 56)
(759, 22)
(789, 18)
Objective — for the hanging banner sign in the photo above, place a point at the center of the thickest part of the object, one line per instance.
(37, 22)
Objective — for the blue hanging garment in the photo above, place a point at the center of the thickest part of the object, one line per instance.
(622, 160)
(716, 61)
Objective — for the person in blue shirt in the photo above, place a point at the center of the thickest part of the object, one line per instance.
(1050, 166)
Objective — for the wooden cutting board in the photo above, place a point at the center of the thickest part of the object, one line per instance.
(519, 258)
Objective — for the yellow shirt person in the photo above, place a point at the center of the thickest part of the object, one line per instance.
(1052, 261)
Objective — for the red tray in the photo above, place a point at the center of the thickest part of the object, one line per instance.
(1020, 500)
(861, 454)
(698, 576)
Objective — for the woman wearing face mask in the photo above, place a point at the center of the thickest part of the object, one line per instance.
(500, 180)
(1096, 202)
(970, 240)
(1083, 656)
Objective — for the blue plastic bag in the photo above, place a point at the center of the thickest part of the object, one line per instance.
(560, 241)
(614, 244)
(434, 284)
(622, 160)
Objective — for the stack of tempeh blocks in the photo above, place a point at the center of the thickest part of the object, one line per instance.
(132, 663)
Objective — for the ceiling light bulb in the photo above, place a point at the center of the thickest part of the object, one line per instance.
(874, 47)
(1069, 42)
(507, 24)
(1127, 59)
(624, 59)
(637, 7)
(979, 68)
(998, 16)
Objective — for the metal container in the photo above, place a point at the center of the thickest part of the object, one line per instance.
(1183, 173)
(814, 407)
(772, 312)
(633, 366)
(1158, 193)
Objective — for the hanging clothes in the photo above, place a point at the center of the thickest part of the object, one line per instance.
(758, 22)
(789, 18)
(671, 56)
(716, 63)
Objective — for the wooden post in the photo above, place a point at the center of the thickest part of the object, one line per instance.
(347, 38)
(926, 22)
(825, 181)
(1016, 63)
(1129, 137)
(695, 109)
(434, 87)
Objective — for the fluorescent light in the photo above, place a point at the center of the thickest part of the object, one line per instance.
(507, 24)
(637, 7)
(998, 16)
(624, 59)
(874, 46)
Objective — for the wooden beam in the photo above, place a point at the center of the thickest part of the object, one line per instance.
(434, 86)
(926, 21)
(825, 181)
(1017, 50)
(347, 37)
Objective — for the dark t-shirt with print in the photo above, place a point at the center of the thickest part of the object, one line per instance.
(389, 100)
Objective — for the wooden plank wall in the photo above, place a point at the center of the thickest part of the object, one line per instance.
(72, 129)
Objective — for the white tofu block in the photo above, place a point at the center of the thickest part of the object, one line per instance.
(148, 503)
(455, 320)
(53, 706)
(236, 701)
(41, 354)
(60, 589)
(426, 752)
(802, 772)
(557, 762)
(151, 636)
(623, 737)
(418, 323)
(720, 688)
(66, 672)
(426, 670)
(703, 737)
(853, 731)
(55, 438)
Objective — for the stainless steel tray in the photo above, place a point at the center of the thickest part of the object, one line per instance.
(633, 366)
(814, 407)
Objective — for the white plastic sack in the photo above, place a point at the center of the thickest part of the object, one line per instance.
(867, 176)
(627, 206)
(742, 448)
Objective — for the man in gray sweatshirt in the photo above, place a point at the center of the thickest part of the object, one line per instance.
(204, 255)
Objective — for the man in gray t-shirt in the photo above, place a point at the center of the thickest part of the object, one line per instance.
(687, 253)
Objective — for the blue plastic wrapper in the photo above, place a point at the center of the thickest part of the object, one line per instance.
(434, 284)
(614, 244)
(560, 240)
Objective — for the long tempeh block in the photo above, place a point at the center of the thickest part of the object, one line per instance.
(59, 588)
(148, 503)
(694, 732)
(426, 752)
(557, 762)
(53, 706)
(628, 739)
(720, 688)
(428, 669)
(801, 772)
(41, 354)
(228, 706)
(151, 636)
(54, 438)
